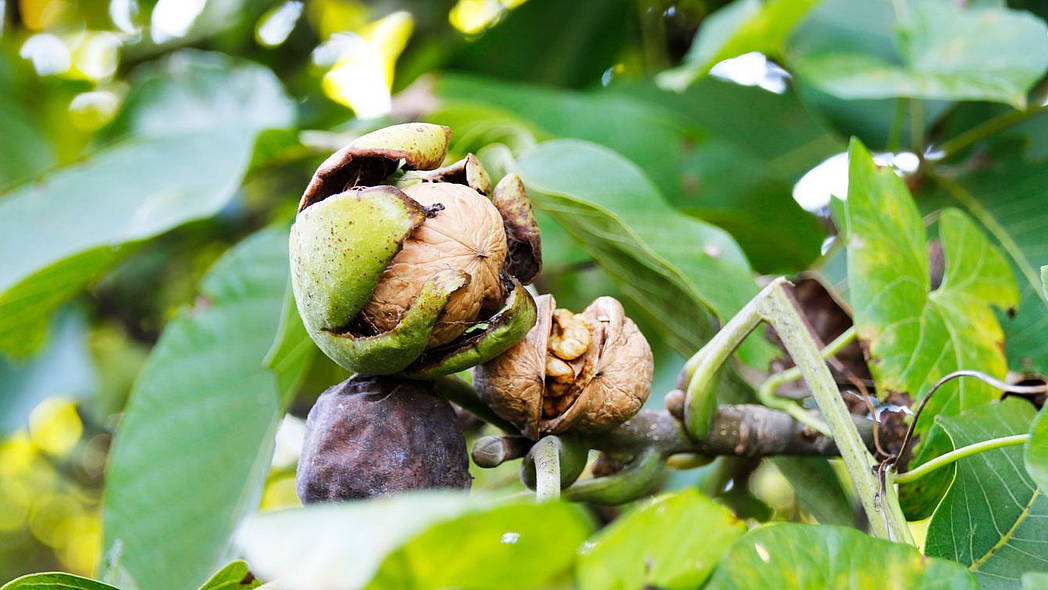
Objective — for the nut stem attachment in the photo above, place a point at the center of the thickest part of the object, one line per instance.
(547, 469)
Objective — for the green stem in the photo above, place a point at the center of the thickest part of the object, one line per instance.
(957, 454)
(700, 402)
(917, 124)
(980, 132)
(882, 509)
(895, 133)
(636, 479)
(547, 469)
(766, 393)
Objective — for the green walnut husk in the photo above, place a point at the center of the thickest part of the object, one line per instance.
(401, 266)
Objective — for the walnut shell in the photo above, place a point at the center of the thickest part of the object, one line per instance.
(613, 376)
(466, 234)
(372, 436)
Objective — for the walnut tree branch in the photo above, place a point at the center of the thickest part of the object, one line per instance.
(737, 430)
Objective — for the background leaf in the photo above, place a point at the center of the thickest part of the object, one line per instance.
(818, 489)
(672, 542)
(684, 143)
(1005, 194)
(991, 54)
(994, 519)
(740, 27)
(917, 335)
(812, 557)
(195, 442)
(78, 221)
(660, 258)
(864, 27)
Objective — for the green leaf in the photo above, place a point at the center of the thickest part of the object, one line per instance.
(340, 545)
(916, 335)
(815, 557)
(660, 258)
(1007, 197)
(1035, 581)
(945, 53)
(672, 542)
(417, 540)
(866, 27)
(522, 545)
(204, 411)
(292, 352)
(818, 489)
(918, 499)
(757, 209)
(78, 221)
(651, 137)
(740, 27)
(191, 90)
(24, 148)
(1036, 451)
(55, 581)
(994, 519)
(235, 576)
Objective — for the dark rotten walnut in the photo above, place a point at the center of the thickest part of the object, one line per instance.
(372, 436)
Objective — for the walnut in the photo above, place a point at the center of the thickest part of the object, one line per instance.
(465, 234)
(399, 266)
(587, 372)
(371, 436)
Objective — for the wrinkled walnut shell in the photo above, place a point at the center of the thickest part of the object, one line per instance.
(613, 375)
(372, 436)
(466, 235)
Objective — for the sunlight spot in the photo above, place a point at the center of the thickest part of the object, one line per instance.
(123, 13)
(48, 54)
(474, 16)
(55, 426)
(92, 110)
(830, 178)
(97, 55)
(510, 538)
(173, 18)
(752, 69)
(363, 75)
(275, 26)
(289, 439)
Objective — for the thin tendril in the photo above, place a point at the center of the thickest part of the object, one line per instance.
(1021, 389)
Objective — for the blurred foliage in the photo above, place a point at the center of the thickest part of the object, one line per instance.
(152, 153)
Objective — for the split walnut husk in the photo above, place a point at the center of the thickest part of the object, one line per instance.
(584, 372)
(399, 266)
